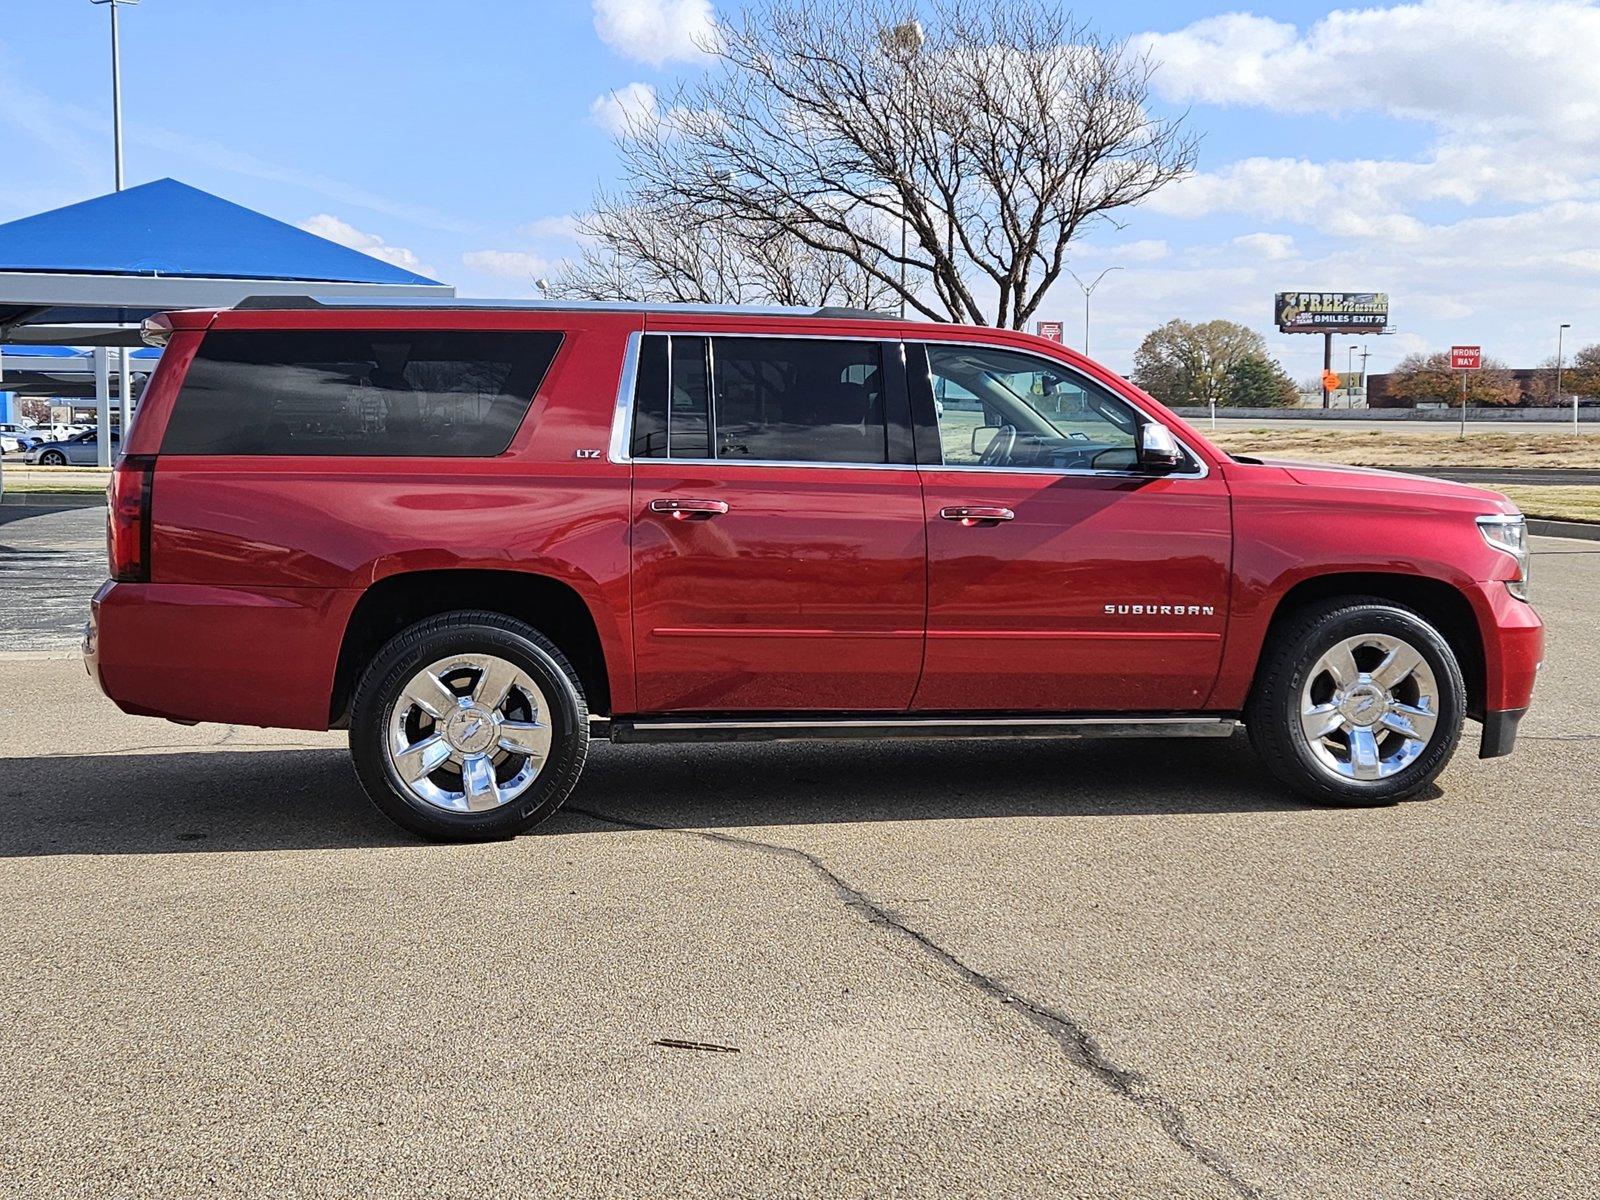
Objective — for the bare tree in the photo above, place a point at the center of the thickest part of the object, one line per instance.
(672, 253)
(839, 144)
(990, 140)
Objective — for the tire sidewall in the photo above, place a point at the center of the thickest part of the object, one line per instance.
(379, 692)
(1396, 622)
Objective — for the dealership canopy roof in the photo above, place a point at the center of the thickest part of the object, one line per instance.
(87, 274)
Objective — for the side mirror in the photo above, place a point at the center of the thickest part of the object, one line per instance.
(982, 436)
(1158, 449)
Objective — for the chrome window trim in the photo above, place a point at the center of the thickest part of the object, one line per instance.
(622, 417)
(622, 420)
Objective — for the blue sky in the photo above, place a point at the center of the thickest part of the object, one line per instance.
(1447, 151)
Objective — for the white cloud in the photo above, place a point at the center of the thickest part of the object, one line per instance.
(656, 31)
(625, 110)
(325, 225)
(1466, 66)
(520, 265)
(566, 226)
(1497, 81)
(1271, 247)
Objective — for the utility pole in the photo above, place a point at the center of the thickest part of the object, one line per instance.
(1559, 332)
(1327, 365)
(1088, 292)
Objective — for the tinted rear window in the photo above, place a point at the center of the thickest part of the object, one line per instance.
(399, 393)
(760, 400)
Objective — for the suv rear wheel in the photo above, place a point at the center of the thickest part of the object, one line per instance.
(1359, 701)
(469, 726)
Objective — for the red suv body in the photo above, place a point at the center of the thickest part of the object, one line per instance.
(754, 524)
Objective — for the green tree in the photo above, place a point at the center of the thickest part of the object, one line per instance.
(1256, 381)
(1428, 379)
(1184, 363)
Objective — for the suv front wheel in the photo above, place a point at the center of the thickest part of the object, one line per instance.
(1359, 701)
(469, 726)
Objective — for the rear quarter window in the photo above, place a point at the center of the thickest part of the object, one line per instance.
(396, 393)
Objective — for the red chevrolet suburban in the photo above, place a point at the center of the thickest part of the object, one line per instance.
(478, 536)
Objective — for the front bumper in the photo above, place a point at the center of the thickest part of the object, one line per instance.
(1500, 732)
(1513, 652)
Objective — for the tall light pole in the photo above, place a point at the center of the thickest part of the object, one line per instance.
(1559, 332)
(903, 41)
(116, 81)
(103, 397)
(1088, 291)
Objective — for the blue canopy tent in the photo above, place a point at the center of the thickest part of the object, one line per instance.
(87, 274)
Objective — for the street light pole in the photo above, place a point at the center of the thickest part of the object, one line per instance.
(1088, 292)
(124, 384)
(903, 41)
(116, 83)
(1560, 330)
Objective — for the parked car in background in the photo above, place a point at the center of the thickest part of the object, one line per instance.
(477, 537)
(80, 450)
(15, 437)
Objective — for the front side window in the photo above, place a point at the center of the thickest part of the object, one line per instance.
(340, 392)
(1001, 408)
(760, 400)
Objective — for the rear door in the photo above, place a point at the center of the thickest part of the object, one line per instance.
(1060, 577)
(779, 554)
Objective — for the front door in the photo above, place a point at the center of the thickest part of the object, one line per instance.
(1060, 578)
(779, 553)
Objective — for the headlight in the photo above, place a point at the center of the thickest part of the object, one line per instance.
(1509, 534)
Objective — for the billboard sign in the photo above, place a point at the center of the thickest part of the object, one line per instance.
(1466, 358)
(1331, 312)
(1053, 331)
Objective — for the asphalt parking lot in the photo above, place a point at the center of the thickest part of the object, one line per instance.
(996, 969)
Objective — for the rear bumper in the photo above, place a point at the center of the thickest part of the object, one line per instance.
(189, 652)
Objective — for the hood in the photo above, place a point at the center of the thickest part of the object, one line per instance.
(1402, 486)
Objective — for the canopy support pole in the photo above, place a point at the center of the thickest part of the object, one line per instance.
(124, 392)
(102, 405)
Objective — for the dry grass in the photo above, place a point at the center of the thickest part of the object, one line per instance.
(1557, 503)
(1382, 448)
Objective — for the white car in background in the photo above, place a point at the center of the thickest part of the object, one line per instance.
(15, 437)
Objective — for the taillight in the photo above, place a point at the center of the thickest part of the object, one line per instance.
(128, 517)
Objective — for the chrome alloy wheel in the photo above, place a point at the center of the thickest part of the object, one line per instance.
(1369, 707)
(469, 733)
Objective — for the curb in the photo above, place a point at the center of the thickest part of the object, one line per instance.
(1585, 530)
(53, 500)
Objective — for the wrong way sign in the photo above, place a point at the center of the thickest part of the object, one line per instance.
(1466, 358)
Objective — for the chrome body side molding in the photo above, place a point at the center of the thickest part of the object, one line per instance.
(689, 728)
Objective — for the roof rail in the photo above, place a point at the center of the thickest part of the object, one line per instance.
(267, 301)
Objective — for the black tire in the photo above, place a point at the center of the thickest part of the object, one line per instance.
(407, 653)
(52, 458)
(1272, 716)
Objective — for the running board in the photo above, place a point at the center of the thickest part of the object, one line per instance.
(786, 729)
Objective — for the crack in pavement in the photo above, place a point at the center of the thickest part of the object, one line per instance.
(1076, 1042)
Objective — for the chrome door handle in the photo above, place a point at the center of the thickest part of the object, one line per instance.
(974, 514)
(682, 510)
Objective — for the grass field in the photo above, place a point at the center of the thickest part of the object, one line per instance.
(1380, 448)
